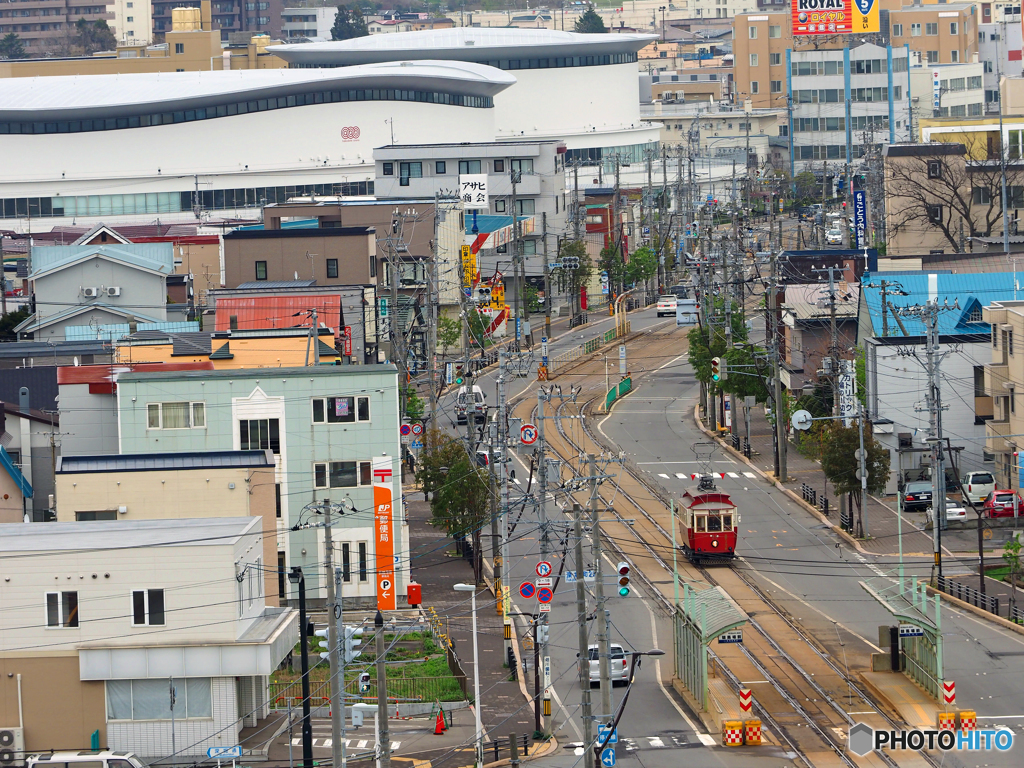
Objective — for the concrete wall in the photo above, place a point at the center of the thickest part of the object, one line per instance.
(88, 422)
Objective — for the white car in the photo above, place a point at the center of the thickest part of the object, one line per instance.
(834, 237)
(955, 511)
(978, 485)
(619, 665)
(667, 305)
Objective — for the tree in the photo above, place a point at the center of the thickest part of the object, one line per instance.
(94, 36)
(10, 321)
(840, 464)
(590, 23)
(449, 332)
(349, 23)
(807, 188)
(643, 265)
(943, 189)
(11, 47)
(571, 280)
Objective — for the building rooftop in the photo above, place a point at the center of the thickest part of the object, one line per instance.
(298, 232)
(109, 96)
(461, 44)
(262, 373)
(934, 8)
(148, 462)
(63, 538)
(270, 285)
(156, 257)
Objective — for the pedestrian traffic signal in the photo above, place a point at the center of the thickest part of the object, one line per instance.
(364, 682)
(716, 369)
(623, 569)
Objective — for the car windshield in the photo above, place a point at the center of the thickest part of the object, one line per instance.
(1004, 498)
(981, 479)
(918, 487)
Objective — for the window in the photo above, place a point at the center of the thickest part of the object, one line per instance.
(774, 31)
(958, 110)
(1009, 351)
(148, 607)
(151, 700)
(527, 206)
(179, 47)
(981, 196)
(974, 83)
(524, 165)
(387, 169)
(935, 213)
(915, 30)
(976, 317)
(277, 498)
(440, 167)
(332, 267)
(974, 110)
(753, 59)
(954, 57)
(499, 166)
(346, 561)
(931, 29)
(934, 169)
(103, 514)
(130, 18)
(259, 435)
(954, 28)
(776, 86)
(752, 33)
(408, 171)
(897, 30)
(932, 57)
(754, 87)
(182, 415)
(774, 59)
(261, 270)
(362, 561)
(62, 609)
(499, 206)
(469, 166)
(342, 474)
(340, 410)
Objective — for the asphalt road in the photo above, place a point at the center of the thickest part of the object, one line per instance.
(797, 559)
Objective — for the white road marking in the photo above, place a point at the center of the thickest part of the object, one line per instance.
(732, 474)
(750, 475)
(656, 741)
(681, 476)
(662, 474)
(328, 743)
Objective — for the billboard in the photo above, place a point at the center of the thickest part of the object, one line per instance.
(834, 17)
(384, 529)
(860, 217)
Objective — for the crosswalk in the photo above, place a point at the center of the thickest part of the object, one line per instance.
(684, 476)
(349, 743)
(667, 740)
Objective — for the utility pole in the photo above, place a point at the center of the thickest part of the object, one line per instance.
(384, 733)
(514, 174)
(780, 426)
(313, 338)
(432, 301)
(505, 506)
(547, 276)
(334, 641)
(581, 624)
(604, 648)
(542, 512)
(1002, 149)
(576, 218)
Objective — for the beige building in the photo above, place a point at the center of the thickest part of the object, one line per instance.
(191, 47)
(170, 486)
(1002, 378)
(46, 26)
(133, 21)
(721, 131)
(939, 34)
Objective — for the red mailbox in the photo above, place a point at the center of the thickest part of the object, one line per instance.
(415, 596)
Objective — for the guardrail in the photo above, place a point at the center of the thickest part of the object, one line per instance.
(399, 689)
(619, 390)
(502, 745)
(1016, 615)
(808, 494)
(589, 346)
(961, 591)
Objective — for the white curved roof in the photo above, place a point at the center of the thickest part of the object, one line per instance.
(84, 96)
(463, 44)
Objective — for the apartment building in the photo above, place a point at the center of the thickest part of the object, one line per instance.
(939, 34)
(999, 51)
(46, 26)
(102, 618)
(721, 131)
(946, 90)
(225, 16)
(133, 21)
(333, 432)
(1003, 373)
(313, 24)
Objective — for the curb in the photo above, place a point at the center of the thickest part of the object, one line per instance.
(550, 746)
(791, 494)
(997, 620)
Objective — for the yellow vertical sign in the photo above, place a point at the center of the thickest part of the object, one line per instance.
(468, 266)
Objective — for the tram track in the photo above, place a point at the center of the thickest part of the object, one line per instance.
(801, 711)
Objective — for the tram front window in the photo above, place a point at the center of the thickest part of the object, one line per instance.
(714, 523)
(726, 522)
(701, 522)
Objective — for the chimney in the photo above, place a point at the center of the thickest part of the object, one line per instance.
(23, 400)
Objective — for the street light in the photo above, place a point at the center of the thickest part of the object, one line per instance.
(296, 577)
(471, 588)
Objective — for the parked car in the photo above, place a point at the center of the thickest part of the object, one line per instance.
(619, 665)
(955, 511)
(1001, 504)
(680, 291)
(978, 485)
(917, 496)
(834, 237)
(667, 305)
(470, 400)
(90, 759)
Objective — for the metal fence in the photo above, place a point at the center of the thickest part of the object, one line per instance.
(1016, 614)
(589, 346)
(502, 745)
(399, 689)
(961, 591)
(808, 494)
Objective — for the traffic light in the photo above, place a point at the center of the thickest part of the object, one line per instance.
(716, 369)
(543, 633)
(364, 682)
(623, 569)
(460, 369)
(349, 651)
(326, 635)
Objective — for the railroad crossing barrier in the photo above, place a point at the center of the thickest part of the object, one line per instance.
(703, 616)
(732, 733)
(968, 720)
(961, 591)
(907, 600)
(947, 721)
(752, 733)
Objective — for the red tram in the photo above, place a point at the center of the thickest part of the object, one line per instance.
(709, 523)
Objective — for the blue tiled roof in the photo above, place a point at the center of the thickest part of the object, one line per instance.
(970, 290)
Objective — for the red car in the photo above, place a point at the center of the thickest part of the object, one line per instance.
(1000, 504)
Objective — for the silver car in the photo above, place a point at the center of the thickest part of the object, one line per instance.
(619, 665)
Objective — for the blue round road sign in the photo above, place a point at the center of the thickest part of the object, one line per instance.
(544, 595)
(527, 590)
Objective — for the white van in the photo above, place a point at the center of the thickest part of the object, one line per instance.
(978, 485)
(471, 400)
(85, 759)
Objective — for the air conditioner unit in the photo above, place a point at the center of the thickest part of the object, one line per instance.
(113, 290)
(90, 293)
(12, 747)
